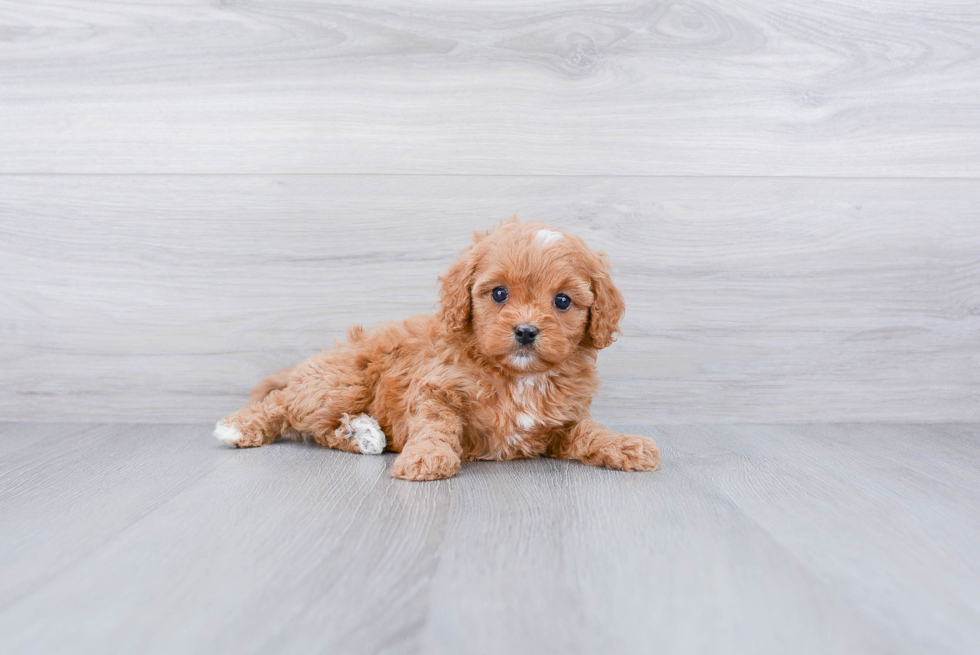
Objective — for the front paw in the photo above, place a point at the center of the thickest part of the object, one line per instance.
(426, 461)
(628, 452)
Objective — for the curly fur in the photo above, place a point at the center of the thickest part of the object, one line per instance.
(458, 386)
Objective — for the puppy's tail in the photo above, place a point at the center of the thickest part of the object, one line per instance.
(265, 387)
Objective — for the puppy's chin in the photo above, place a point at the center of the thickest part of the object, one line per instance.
(523, 361)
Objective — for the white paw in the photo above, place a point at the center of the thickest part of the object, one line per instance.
(366, 431)
(228, 434)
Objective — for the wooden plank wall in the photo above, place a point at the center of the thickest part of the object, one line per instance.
(193, 195)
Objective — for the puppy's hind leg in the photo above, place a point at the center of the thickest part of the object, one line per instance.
(364, 431)
(257, 424)
(323, 399)
(328, 395)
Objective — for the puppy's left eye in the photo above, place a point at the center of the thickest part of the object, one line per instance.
(562, 302)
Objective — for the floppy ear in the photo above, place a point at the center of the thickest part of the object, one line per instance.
(454, 294)
(607, 308)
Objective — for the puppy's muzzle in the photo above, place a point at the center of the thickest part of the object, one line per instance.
(525, 334)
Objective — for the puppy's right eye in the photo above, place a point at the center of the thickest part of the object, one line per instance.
(499, 294)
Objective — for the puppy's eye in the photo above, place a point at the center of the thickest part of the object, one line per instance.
(499, 294)
(562, 302)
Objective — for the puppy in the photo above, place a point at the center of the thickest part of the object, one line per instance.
(505, 370)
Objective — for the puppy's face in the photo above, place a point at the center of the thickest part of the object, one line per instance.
(531, 296)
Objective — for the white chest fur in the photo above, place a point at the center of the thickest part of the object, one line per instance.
(529, 396)
(519, 416)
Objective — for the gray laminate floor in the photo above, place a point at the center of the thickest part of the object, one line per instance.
(752, 539)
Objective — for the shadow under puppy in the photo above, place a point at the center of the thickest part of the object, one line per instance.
(505, 370)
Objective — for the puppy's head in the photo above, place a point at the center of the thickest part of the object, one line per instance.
(530, 296)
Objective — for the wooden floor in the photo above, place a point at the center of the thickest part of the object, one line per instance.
(752, 539)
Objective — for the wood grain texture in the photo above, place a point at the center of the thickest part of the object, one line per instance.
(654, 88)
(819, 539)
(61, 480)
(165, 298)
(856, 503)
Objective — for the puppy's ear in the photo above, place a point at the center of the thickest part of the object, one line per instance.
(607, 308)
(454, 294)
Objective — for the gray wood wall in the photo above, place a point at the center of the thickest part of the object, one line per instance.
(193, 195)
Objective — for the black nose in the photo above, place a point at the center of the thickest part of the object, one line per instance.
(525, 334)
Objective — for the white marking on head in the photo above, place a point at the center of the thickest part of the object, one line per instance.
(365, 430)
(228, 434)
(521, 360)
(547, 237)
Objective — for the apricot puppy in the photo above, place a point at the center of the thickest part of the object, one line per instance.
(505, 370)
